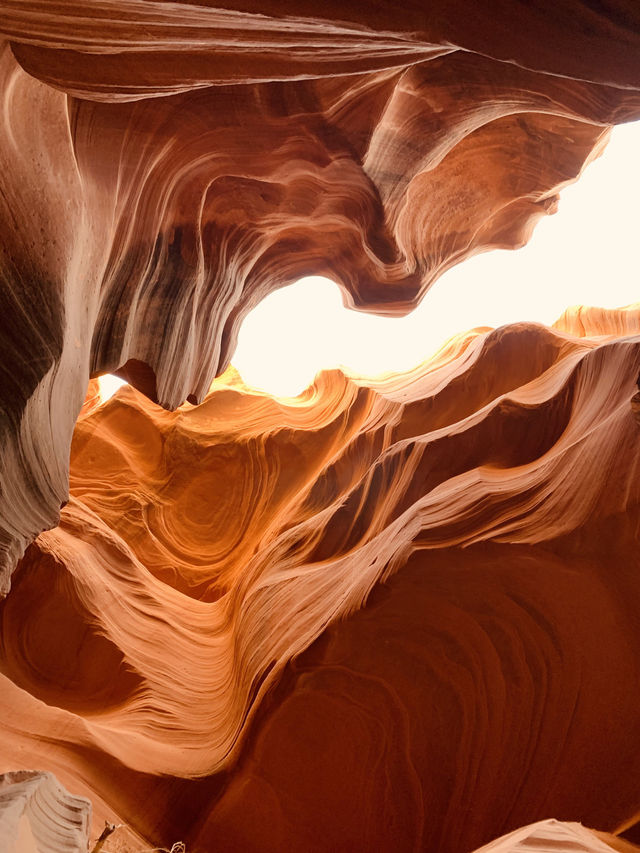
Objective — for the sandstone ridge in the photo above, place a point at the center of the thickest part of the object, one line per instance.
(425, 588)
(166, 165)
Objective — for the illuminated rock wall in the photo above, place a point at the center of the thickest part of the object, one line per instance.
(390, 618)
(387, 617)
(165, 166)
(38, 816)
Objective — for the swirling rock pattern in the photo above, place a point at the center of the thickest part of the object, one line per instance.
(399, 616)
(390, 616)
(37, 815)
(165, 165)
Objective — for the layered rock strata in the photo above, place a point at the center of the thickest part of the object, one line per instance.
(387, 616)
(165, 165)
(552, 836)
(395, 616)
(37, 815)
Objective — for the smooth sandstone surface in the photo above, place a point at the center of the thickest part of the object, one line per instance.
(166, 165)
(390, 617)
(396, 615)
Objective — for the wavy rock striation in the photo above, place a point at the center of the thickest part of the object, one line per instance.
(552, 836)
(166, 165)
(37, 815)
(400, 615)
(391, 617)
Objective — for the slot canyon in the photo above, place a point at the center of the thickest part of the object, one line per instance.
(390, 615)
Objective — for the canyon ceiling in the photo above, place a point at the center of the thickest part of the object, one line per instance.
(395, 615)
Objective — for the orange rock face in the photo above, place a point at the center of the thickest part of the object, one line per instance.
(394, 616)
(386, 618)
(166, 165)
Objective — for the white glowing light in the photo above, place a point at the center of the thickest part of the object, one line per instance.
(109, 385)
(585, 254)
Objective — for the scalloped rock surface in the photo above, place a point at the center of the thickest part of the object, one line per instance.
(165, 165)
(37, 815)
(390, 617)
(395, 616)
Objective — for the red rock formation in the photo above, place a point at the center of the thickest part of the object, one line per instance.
(167, 165)
(390, 618)
(396, 616)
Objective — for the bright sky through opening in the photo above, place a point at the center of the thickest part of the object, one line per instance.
(586, 254)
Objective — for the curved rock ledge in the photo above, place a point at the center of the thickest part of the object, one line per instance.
(400, 615)
(166, 165)
(37, 815)
(395, 617)
(552, 836)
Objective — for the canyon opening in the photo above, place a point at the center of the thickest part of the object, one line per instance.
(388, 602)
